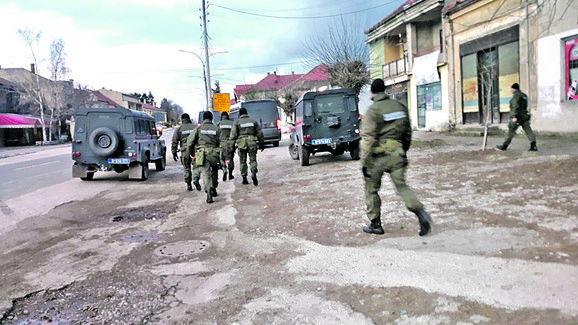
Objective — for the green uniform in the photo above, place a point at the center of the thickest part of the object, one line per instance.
(180, 138)
(245, 134)
(519, 110)
(386, 137)
(203, 144)
(227, 146)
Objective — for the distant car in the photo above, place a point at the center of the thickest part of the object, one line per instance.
(216, 117)
(325, 121)
(116, 139)
(159, 128)
(266, 113)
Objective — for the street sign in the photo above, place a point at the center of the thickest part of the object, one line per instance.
(222, 102)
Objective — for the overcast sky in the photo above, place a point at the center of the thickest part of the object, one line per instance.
(133, 45)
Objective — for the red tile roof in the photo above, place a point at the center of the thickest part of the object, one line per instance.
(241, 89)
(102, 98)
(275, 81)
(151, 107)
(316, 74)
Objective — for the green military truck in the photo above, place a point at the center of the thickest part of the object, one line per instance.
(325, 121)
(119, 139)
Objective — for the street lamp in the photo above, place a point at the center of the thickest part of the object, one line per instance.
(206, 77)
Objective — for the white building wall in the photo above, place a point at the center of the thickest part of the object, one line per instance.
(553, 113)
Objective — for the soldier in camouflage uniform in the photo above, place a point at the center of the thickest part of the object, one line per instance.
(386, 137)
(180, 138)
(519, 117)
(227, 146)
(245, 134)
(203, 144)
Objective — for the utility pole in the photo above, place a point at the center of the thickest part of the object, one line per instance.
(207, 66)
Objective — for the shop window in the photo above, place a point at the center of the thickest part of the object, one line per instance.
(571, 60)
(509, 59)
(430, 95)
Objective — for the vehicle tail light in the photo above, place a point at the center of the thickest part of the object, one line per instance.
(308, 137)
(199, 124)
(279, 124)
(75, 154)
(76, 141)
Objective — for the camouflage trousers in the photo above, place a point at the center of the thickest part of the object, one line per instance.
(186, 161)
(252, 153)
(395, 165)
(210, 168)
(227, 153)
(513, 126)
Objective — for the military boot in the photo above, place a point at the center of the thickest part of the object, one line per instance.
(502, 147)
(209, 197)
(424, 222)
(189, 186)
(533, 146)
(231, 174)
(197, 184)
(375, 227)
(245, 181)
(254, 177)
(224, 173)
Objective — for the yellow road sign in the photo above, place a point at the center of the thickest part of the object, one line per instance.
(222, 102)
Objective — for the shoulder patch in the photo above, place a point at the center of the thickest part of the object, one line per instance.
(223, 126)
(187, 132)
(209, 132)
(394, 116)
(247, 125)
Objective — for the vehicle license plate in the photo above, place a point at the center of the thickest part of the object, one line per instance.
(322, 141)
(119, 161)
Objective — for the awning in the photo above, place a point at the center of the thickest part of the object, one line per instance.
(425, 68)
(15, 121)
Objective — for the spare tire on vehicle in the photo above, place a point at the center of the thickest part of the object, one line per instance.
(103, 141)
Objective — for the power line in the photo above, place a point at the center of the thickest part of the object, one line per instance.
(305, 17)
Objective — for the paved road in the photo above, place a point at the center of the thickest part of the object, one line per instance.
(23, 177)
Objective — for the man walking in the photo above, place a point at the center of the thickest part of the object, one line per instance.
(386, 137)
(519, 116)
(227, 146)
(180, 138)
(245, 134)
(203, 144)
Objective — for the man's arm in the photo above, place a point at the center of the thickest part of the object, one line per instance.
(406, 135)
(175, 141)
(368, 133)
(260, 136)
(191, 140)
(234, 132)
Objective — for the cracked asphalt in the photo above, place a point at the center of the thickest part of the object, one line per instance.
(504, 247)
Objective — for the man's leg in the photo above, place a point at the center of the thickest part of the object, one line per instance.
(197, 176)
(186, 162)
(530, 135)
(512, 127)
(253, 164)
(231, 157)
(207, 180)
(372, 199)
(411, 201)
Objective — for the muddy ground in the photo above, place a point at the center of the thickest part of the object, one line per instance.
(504, 247)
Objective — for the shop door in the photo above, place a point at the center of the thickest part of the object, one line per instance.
(421, 106)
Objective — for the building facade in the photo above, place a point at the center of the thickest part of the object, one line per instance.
(408, 53)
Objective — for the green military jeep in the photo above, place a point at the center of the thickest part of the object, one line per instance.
(325, 121)
(116, 139)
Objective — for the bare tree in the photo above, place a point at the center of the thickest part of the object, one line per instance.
(31, 38)
(342, 48)
(58, 71)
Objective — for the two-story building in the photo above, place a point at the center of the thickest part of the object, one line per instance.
(407, 52)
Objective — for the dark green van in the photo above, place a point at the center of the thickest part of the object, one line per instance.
(325, 121)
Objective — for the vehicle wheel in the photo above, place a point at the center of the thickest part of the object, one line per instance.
(354, 151)
(88, 177)
(294, 151)
(276, 144)
(103, 141)
(303, 156)
(145, 169)
(161, 164)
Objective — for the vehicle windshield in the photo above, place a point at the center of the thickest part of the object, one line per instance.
(329, 104)
(264, 111)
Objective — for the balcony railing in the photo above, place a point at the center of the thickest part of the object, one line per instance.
(395, 68)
